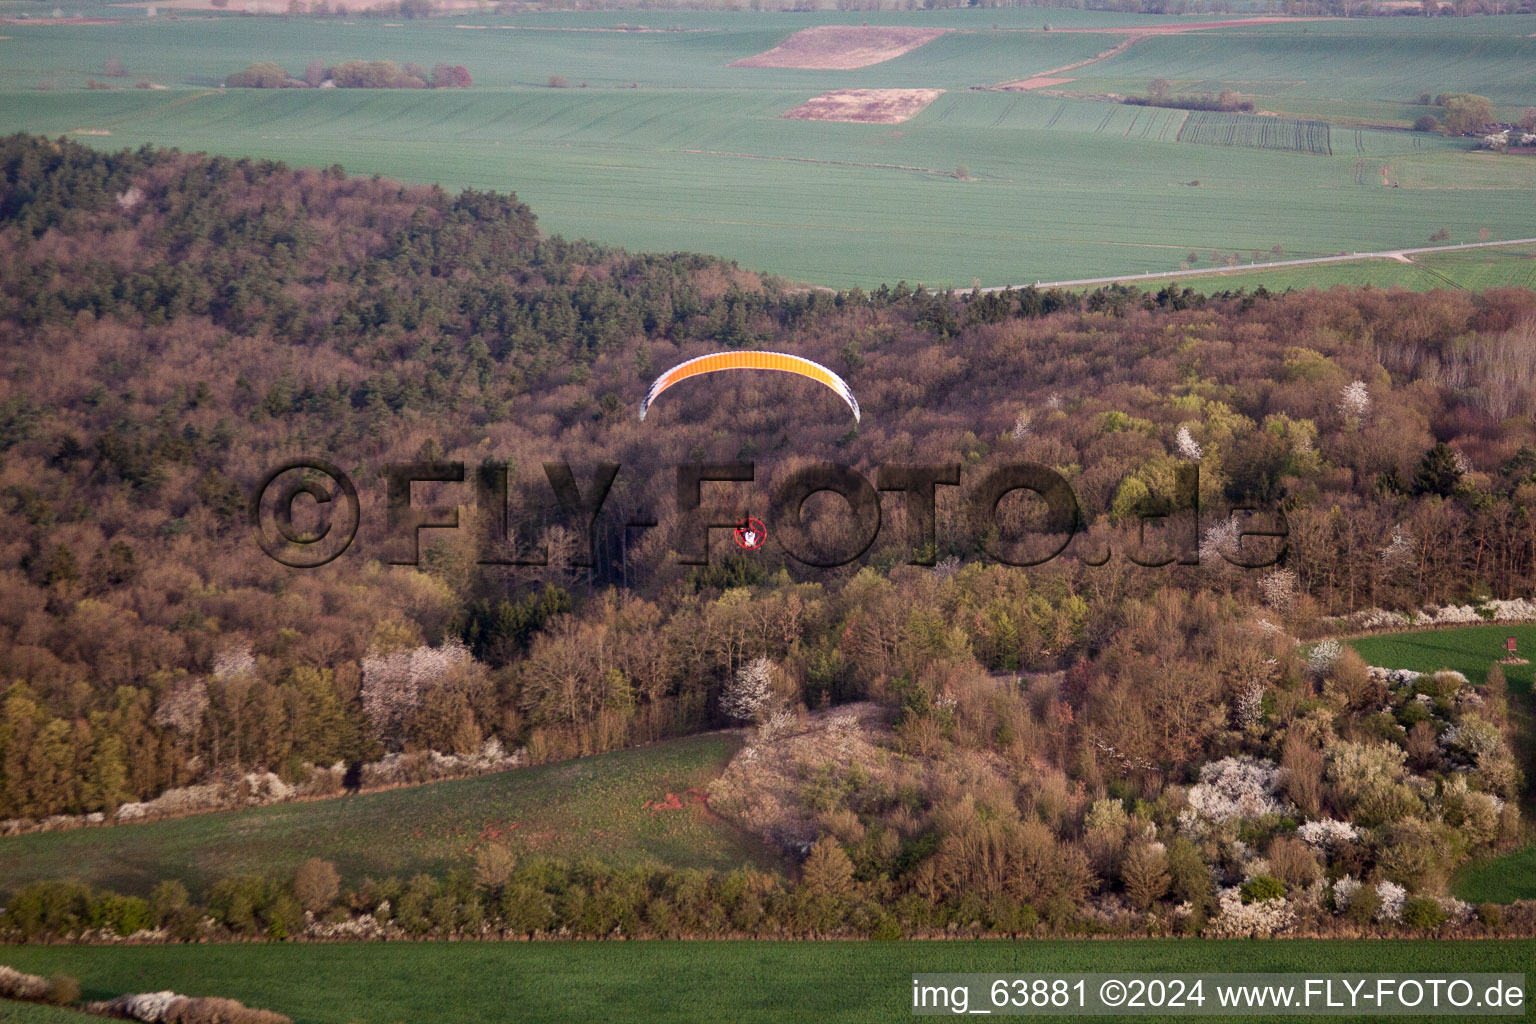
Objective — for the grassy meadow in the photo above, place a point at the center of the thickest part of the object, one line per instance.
(667, 147)
(1471, 651)
(34, 1013)
(551, 982)
(590, 806)
(1512, 266)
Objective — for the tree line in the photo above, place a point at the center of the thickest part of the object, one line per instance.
(352, 74)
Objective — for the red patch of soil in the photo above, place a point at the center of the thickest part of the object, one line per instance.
(842, 47)
(691, 797)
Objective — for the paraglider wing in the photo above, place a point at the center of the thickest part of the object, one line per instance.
(780, 361)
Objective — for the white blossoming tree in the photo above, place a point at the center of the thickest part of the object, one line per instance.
(1322, 656)
(1278, 589)
(1188, 447)
(233, 662)
(1398, 552)
(1221, 539)
(748, 695)
(1355, 400)
(1021, 426)
(395, 682)
(184, 706)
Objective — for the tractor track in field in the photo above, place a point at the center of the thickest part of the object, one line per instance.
(135, 115)
(1016, 84)
(833, 163)
(1400, 255)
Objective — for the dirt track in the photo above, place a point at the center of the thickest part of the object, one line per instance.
(1043, 79)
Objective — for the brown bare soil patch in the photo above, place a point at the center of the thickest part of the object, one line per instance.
(842, 47)
(866, 106)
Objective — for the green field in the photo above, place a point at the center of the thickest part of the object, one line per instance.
(590, 806)
(1501, 879)
(1469, 651)
(695, 156)
(1473, 269)
(1338, 68)
(549, 982)
(32, 1013)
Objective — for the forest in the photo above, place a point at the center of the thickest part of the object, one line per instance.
(174, 325)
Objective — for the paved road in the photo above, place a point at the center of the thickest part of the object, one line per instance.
(1162, 274)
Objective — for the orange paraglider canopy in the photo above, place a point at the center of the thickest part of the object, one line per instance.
(780, 361)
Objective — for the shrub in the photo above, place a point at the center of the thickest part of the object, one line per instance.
(451, 76)
(211, 1010)
(1392, 897)
(47, 908)
(1146, 875)
(285, 917)
(1363, 905)
(1190, 876)
(166, 899)
(261, 75)
(494, 864)
(1301, 767)
(1262, 887)
(1424, 912)
(1367, 774)
(63, 990)
(1466, 112)
(316, 885)
(1293, 862)
(1427, 123)
(374, 74)
(1491, 914)
(1349, 678)
(234, 902)
(16, 985)
(1417, 854)
(185, 923)
(122, 914)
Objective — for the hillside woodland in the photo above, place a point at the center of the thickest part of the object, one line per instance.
(174, 326)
